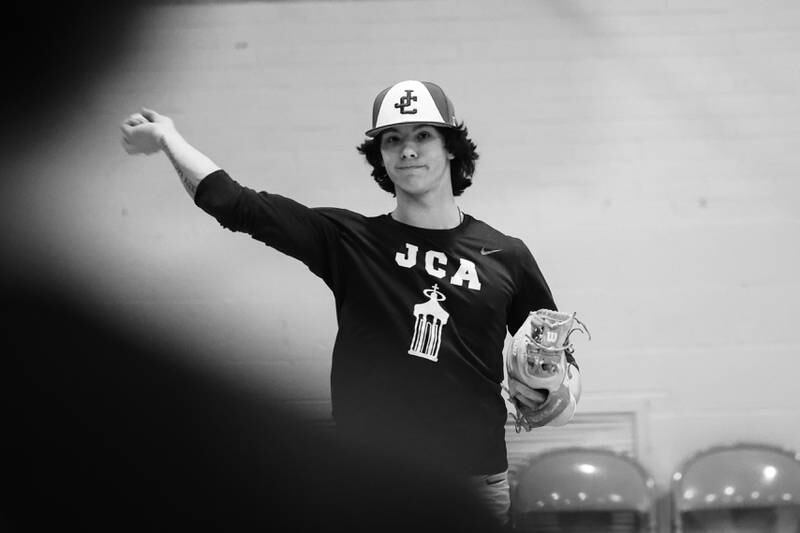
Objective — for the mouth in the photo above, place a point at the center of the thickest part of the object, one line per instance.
(410, 167)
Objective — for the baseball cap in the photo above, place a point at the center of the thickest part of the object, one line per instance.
(411, 102)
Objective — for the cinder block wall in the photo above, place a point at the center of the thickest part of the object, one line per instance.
(646, 151)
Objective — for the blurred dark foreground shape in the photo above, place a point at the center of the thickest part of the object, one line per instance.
(104, 431)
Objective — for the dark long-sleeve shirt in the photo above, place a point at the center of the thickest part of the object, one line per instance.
(422, 318)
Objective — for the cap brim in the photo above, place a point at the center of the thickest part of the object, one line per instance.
(374, 131)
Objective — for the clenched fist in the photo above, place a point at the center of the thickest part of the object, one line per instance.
(142, 132)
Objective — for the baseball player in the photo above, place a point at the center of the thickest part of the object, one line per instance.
(424, 295)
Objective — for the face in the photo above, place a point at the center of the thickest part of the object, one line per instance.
(416, 160)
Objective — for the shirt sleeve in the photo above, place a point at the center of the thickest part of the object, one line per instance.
(282, 223)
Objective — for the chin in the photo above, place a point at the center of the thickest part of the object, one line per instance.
(413, 190)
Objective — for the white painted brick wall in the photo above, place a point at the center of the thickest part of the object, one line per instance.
(645, 150)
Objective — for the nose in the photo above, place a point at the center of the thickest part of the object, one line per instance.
(409, 151)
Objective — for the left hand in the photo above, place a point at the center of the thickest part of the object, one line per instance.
(527, 396)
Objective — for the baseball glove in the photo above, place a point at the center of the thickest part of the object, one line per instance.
(537, 359)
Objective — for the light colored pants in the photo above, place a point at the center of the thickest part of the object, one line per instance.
(493, 490)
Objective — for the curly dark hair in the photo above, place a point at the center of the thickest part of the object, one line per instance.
(456, 141)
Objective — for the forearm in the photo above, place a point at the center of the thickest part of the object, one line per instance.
(190, 164)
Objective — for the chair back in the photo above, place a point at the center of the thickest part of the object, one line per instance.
(574, 490)
(740, 487)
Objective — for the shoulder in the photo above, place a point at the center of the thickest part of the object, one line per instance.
(347, 219)
(509, 242)
(337, 213)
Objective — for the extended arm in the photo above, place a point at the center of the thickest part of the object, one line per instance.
(148, 132)
(286, 225)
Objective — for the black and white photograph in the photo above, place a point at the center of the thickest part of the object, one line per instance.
(401, 265)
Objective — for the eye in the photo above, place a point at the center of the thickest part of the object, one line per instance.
(389, 139)
(424, 135)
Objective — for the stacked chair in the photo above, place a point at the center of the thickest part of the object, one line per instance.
(737, 488)
(577, 490)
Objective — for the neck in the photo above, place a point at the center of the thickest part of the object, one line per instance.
(443, 214)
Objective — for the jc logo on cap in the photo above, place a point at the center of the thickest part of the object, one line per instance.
(411, 102)
(405, 101)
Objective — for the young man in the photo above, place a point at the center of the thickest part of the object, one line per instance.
(424, 295)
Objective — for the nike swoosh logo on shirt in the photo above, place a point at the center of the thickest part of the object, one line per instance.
(484, 251)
